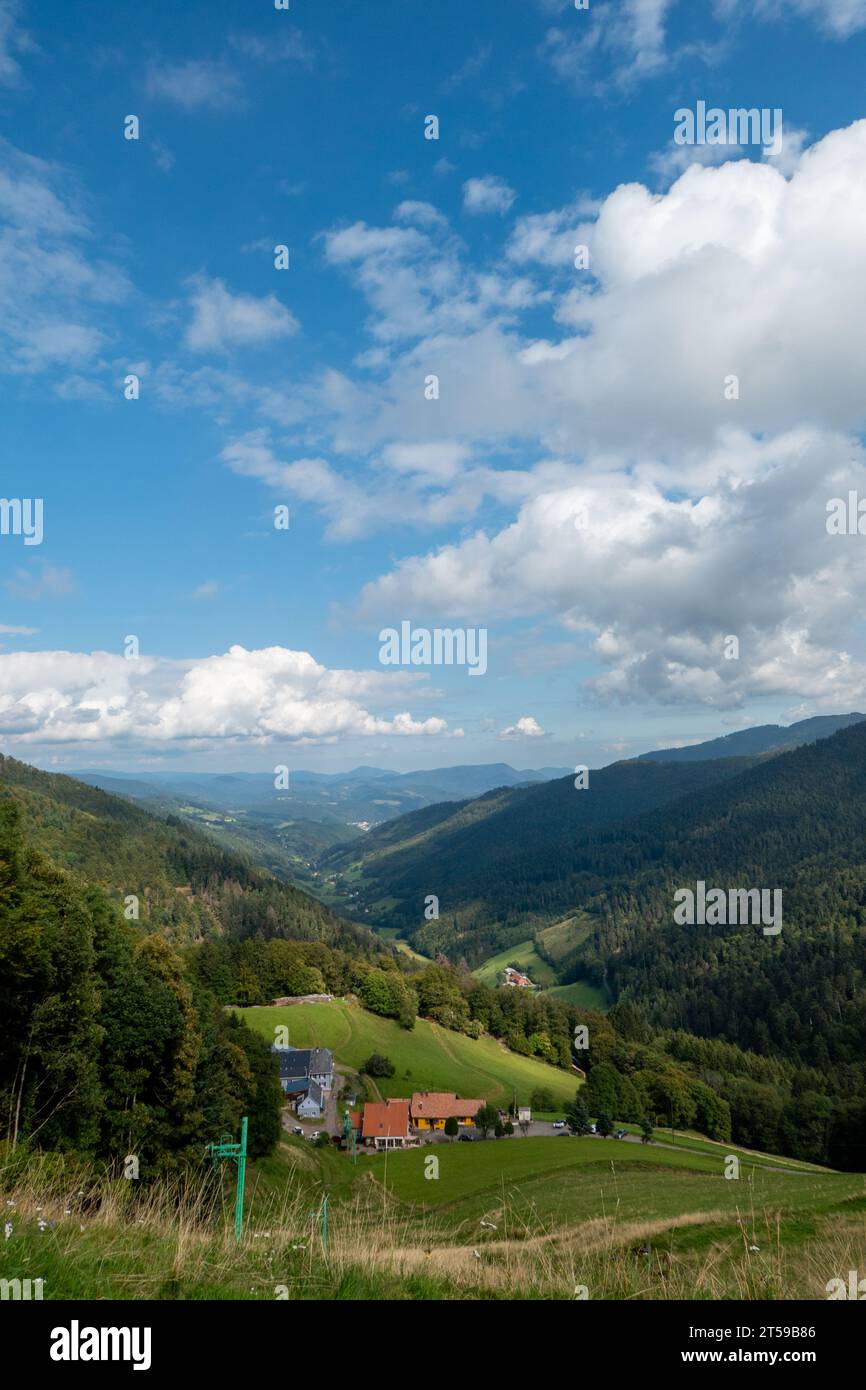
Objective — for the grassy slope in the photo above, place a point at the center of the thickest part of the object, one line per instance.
(525, 957)
(698, 1143)
(434, 1057)
(576, 1180)
(563, 1210)
(560, 938)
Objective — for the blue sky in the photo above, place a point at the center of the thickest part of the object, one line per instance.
(583, 489)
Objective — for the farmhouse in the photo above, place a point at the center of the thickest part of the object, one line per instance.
(516, 980)
(312, 1105)
(305, 1075)
(306, 1096)
(298, 1063)
(322, 1067)
(430, 1109)
(386, 1125)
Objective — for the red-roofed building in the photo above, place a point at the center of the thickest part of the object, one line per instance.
(516, 980)
(386, 1124)
(430, 1109)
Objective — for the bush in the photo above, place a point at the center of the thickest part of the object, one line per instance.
(542, 1099)
(377, 1065)
(486, 1118)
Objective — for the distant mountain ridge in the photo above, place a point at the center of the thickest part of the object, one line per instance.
(362, 797)
(470, 779)
(287, 829)
(758, 740)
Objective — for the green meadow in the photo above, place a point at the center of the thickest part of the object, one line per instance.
(427, 1058)
(558, 940)
(576, 1180)
(516, 1218)
(525, 957)
(582, 994)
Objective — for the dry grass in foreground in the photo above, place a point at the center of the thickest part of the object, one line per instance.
(93, 1236)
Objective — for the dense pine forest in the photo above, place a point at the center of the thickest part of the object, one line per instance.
(107, 1046)
(186, 886)
(793, 822)
(506, 857)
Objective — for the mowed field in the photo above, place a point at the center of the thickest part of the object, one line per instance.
(512, 1218)
(535, 1217)
(594, 1203)
(427, 1058)
(580, 1179)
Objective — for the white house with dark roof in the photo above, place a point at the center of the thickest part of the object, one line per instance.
(312, 1105)
(306, 1075)
(321, 1067)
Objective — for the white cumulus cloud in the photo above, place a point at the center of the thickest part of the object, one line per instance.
(526, 727)
(239, 697)
(489, 194)
(221, 319)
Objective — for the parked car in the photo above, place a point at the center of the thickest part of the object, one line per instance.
(593, 1130)
(465, 1138)
(297, 1129)
(559, 1124)
(620, 1133)
(315, 1134)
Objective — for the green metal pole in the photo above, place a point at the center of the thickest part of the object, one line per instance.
(349, 1134)
(242, 1171)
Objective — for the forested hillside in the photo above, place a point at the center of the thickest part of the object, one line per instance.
(794, 822)
(504, 860)
(106, 1046)
(760, 739)
(113, 1035)
(186, 886)
(797, 823)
